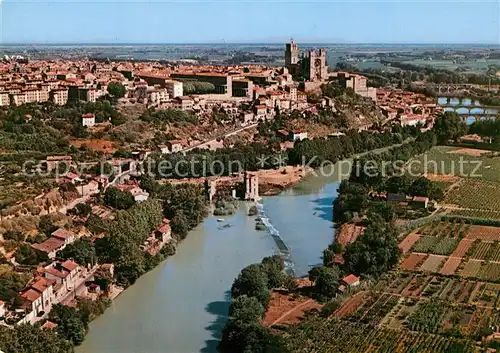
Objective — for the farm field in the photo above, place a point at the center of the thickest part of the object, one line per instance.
(450, 266)
(495, 252)
(462, 248)
(490, 272)
(408, 242)
(435, 245)
(486, 214)
(320, 335)
(481, 251)
(444, 229)
(484, 233)
(475, 194)
(471, 268)
(432, 263)
(413, 261)
(406, 305)
(446, 160)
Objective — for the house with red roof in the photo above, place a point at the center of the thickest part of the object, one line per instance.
(37, 299)
(351, 281)
(64, 274)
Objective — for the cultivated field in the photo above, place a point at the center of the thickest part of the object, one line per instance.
(408, 242)
(432, 263)
(450, 266)
(484, 233)
(449, 160)
(413, 261)
(474, 194)
(471, 269)
(462, 248)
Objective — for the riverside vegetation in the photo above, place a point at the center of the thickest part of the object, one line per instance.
(371, 256)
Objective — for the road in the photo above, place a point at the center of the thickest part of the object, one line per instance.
(226, 134)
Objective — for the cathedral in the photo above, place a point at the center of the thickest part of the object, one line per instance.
(312, 66)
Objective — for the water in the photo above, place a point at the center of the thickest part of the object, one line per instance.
(468, 106)
(181, 306)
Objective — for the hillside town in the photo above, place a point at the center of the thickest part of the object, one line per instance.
(246, 100)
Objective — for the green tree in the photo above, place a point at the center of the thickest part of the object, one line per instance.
(375, 252)
(70, 324)
(253, 282)
(327, 282)
(81, 251)
(32, 339)
(121, 200)
(449, 126)
(274, 267)
(116, 89)
(246, 309)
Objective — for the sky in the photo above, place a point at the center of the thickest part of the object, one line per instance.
(242, 21)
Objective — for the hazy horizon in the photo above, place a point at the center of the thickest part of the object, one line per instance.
(243, 22)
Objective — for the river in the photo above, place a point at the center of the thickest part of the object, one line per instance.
(181, 306)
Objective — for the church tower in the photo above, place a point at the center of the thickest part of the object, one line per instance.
(291, 55)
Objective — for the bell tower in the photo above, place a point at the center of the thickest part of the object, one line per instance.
(291, 54)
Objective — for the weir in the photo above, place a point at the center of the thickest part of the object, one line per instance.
(284, 250)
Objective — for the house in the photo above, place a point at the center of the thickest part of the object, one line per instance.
(3, 310)
(31, 301)
(109, 269)
(299, 135)
(261, 111)
(420, 201)
(66, 235)
(88, 120)
(183, 103)
(53, 161)
(138, 194)
(283, 134)
(45, 287)
(164, 149)
(175, 146)
(64, 274)
(37, 299)
(351, 281)
(164, 233)
(50, 246)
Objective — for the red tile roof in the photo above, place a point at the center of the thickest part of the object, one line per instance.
(55, 272)
(41, 285)
(62, 233)
(70, 265)
(350, 279)
(49, 245)
(30, 295)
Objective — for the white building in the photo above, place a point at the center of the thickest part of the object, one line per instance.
(174, 88)
(299, 135)
(88, 120)
(3, 310)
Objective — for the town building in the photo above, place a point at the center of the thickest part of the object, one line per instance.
(351, 281)
(174, 88)
(63, 274)
(312, 66)
(57, 242)
(3, 309)
(175, 146)
(183, 103)
(88, 120)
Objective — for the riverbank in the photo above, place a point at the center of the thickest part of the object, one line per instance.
(271, 181)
